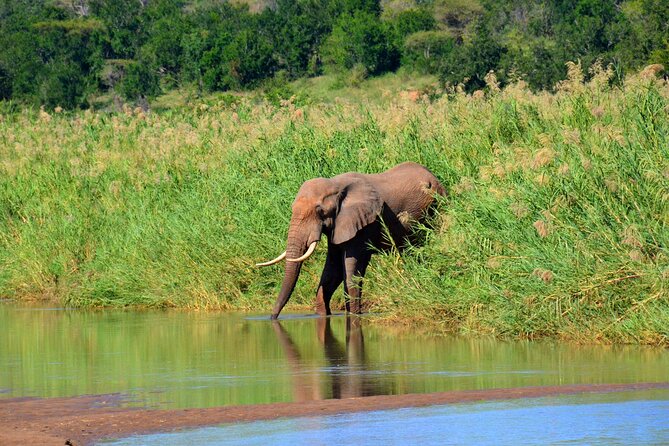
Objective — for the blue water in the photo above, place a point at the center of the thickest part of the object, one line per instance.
(628, 418)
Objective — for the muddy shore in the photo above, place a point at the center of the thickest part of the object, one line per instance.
(86, 419)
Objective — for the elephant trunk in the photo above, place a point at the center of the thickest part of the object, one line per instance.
(296, 248)
(287, 286)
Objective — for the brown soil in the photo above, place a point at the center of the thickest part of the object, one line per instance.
(87, 419)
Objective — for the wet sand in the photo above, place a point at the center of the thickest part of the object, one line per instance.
(86, 419)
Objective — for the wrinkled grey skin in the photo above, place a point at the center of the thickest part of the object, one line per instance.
(349, 209)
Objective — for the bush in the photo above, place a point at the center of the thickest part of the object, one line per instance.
(409, 22)
(5, 84)
(428, 51)
(360, 39)
(139, 81)
(278, 88)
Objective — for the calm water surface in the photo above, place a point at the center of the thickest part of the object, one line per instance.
(179, 359)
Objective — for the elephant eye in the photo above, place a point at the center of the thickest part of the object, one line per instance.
(319, 211)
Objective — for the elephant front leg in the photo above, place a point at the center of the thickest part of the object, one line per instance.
(355, 265)
(332, 276)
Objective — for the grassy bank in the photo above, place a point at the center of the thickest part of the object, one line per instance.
(556, 224)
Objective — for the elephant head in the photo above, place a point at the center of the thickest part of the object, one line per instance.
(338, 207)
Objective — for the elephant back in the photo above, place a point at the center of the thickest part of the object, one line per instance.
(408, 189)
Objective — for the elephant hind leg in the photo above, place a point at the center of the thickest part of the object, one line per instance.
(333, 275)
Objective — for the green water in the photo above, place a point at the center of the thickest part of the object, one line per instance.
(184, 359)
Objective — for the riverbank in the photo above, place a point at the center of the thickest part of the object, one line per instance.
(555, 225)
(84, 420)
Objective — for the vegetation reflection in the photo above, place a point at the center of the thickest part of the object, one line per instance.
(185, 359)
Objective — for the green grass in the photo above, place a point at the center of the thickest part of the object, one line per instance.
(556, 223)
(375, 90)
(321, 90)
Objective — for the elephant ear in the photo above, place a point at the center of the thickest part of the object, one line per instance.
(360, 206)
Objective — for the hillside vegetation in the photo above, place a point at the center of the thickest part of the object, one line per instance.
(556, 223)
(103, 53)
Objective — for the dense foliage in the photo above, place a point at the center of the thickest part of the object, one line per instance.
(555, 224)
(65, 52)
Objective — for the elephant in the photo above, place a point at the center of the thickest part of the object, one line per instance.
(359, 214)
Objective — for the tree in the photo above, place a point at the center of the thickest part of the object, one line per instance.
(249, 58)
(359, 39)
(166, 27)
(456, 15)
(352, 6)
(234, 50)
(409, 22)
(298, 29)
(643, 32)
(470, 62)
(122, 21)
(428, 51)
(5, 83)
(583, 31)
(69, 60)
(139, 82)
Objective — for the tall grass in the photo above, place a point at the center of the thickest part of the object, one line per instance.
(556, 223)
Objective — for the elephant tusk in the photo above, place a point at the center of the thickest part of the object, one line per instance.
(272, 262)
(306, 255)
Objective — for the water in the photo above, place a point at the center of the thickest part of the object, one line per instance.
(628, 418)
(172, 359)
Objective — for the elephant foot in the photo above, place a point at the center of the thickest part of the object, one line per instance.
(323, 312)
(354, 307)
(321, 308)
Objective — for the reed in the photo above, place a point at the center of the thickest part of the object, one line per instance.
(556, 223)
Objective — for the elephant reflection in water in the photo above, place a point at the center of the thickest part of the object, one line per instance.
(345, 375)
